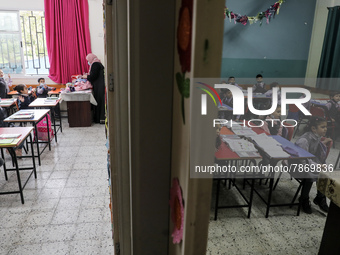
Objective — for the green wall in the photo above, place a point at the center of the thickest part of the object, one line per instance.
(279, 49)
(269, 68)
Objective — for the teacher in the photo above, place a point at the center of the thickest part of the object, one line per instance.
(96, 77)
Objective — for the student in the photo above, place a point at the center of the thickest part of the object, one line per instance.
(227, 99)
(334, 108)
(24, 99)
(4, 85)
(231, 80)
(42, 89)
(311, 142)
(272, 124)
(259, 86)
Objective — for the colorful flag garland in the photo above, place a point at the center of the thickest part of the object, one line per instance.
(244, 19)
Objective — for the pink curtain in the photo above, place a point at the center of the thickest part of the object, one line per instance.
(67, 37)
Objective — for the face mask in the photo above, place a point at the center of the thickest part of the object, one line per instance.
(42, 84)
(89, 63)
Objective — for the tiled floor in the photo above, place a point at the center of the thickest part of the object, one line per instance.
(281, 233)
(66, 208)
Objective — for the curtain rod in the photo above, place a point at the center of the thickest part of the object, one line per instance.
(333, 7)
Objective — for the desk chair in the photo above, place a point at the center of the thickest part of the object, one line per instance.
(296, 114)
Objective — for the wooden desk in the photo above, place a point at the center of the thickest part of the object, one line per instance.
(38, 116)
(24, 132)
(50, 104)
(79, 107)
(15, 93)
(54, 92)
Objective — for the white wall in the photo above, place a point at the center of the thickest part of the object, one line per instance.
(96, 30)
(318, 33)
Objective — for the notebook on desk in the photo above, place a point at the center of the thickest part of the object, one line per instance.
(22, 116)
(9, 141)
(24, 113)
(10, 136)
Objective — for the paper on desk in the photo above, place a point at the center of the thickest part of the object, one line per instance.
(239, 145)
(22, 116)
(244, 132)
(24, 112)
(10, 135)
(6, 141)
(248, 154)
(9, 141)
(272, 147)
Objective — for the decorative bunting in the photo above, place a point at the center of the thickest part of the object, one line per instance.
(243, 19)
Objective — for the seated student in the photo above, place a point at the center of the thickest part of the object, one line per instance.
(311, 142)
(227, 99)
(259, 86)
(4, 84)
(24, 99)
(231, 80)
(274, 127)
(42, 89)
(334, 108)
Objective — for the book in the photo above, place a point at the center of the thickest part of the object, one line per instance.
(6, 141)
(22, 116)
(10, 135)
(24, 112)
(9, 141)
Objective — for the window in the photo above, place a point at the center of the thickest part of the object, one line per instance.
(23, 42)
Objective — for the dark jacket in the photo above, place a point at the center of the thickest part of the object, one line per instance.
(27, 101)
(96, 77)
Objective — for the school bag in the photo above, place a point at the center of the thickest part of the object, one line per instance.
(42, 129)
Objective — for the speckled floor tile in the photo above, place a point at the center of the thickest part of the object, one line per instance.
(56, 248)
(66, 208)
(85, 247)
(29, 249)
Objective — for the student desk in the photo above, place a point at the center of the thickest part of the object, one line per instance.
(273, 161)
(54, 92)
(38, 116)
(15, 93)
(24, 132)
(226, 156)
(50, 104)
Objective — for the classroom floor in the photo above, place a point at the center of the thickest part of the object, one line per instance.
(281, 233)
(66, 208)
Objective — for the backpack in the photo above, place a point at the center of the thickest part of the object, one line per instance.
(42, 129)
